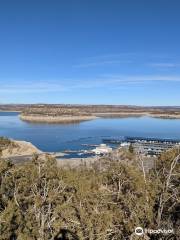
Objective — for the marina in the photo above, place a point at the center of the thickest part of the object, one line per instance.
(153, 135)
(146, 146)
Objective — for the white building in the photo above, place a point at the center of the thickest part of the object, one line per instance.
(125, 144)
(102, 149)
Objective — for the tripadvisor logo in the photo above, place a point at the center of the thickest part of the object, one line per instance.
(139, 231)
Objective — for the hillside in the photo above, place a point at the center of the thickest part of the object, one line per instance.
(40, 200)
(12, 148)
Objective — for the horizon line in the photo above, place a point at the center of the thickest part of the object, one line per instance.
(89, 104)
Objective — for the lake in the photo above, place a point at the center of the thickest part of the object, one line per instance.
(58, 137)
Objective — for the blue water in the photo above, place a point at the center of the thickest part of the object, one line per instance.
(58, 137)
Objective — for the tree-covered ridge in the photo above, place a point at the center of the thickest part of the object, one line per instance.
(40, 201)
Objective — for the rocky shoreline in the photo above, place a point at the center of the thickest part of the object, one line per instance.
(20, 152)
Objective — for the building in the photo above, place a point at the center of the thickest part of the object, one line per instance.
(102, 149)
(125, 144)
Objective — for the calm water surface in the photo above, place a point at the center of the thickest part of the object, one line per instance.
(58, 137)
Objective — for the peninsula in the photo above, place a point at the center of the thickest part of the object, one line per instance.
(55, 114)
(69, 113)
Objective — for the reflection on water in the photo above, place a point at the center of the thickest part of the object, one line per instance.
(58, 137)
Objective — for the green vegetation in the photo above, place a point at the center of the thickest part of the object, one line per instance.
(131, 149)
(39, 201)
(4, 142)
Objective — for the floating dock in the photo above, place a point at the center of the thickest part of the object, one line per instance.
(140, 139)
(145, 145)
(152, 140)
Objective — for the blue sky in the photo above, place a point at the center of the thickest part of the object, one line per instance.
(90, 51)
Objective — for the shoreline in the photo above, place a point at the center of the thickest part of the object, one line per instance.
(19, 148)
(137, 114)
(77, 119)
(71, 119)
(59, 119)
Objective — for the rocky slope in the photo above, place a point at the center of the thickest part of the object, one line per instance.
(19, 148)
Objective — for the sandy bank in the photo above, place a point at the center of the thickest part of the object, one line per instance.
(59, 119)
(20, 148)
